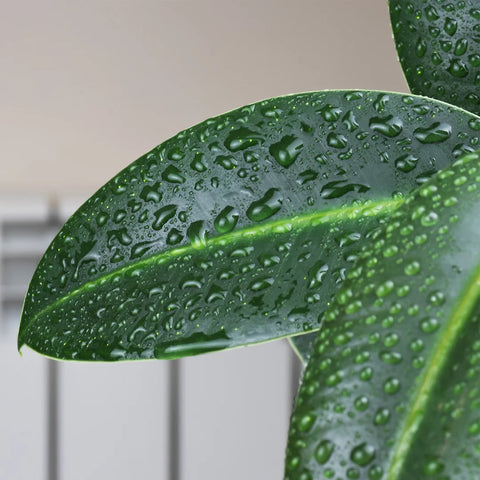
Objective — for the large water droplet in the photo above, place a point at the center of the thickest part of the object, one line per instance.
(266, 207)
(226, 220)
(436, 133)
(339, 188)
(363, 454)
(197, 234)
(457, 68)
(173, 175)
(242, 139)
(331, 113)
(163, 215)
(389, 126)
(226, 161)
(450, 26)
(324, 451)
(336, 140)
(286, 151)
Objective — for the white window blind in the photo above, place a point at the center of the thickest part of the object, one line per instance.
(216, 416)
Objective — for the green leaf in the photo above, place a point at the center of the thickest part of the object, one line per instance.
(392, 388)
(438, 44)
(237, 230)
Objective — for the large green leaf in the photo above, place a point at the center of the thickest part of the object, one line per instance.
(392, 389)
(237, 230)
(438, 43)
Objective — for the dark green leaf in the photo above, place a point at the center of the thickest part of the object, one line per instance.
(438, 44)
(391, 390)
(237, 230)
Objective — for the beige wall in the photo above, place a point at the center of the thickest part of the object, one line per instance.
(87, 87)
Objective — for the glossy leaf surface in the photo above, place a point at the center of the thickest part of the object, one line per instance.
(237, 230)
(438, 44)
(391, 391)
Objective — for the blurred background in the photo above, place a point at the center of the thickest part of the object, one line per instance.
(86, 88)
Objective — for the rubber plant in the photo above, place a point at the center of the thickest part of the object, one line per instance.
(345, 220)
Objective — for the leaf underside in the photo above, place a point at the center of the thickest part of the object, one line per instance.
(438, 44)
(391, 390)
(238, 230)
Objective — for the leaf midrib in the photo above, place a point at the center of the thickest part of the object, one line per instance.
(298, 222)
(439, 357)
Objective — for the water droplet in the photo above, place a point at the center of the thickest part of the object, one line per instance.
(261, 284)
(436, 298)
(102, 219)
(366, 374)
(350, 121)
(316, 274)
(450, 26)
(307, 176)
(226, 161)
(381, 102)
(457, 68)
(120, 235)
(305, 423)
(197, 234)
(384, 288)
(363, 454)
(141, 249)
(429, 324)
(324, 451)
(391, 385)
(266, 207)
(429, 219)
(432, 467)
(391, 358)
(461, 46)
(436, 133)
(173, 175)
(336, 140)
(406, 163)
(361, 403)
(242, 139)
(163, 215)
(338, 188)
(412, 268)
(151, 193)
(174, 237)
(391, 340)
(389, 126)
(286, 151)
(330, 113)
(226, 220)
(382, 416)
(421, 48)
